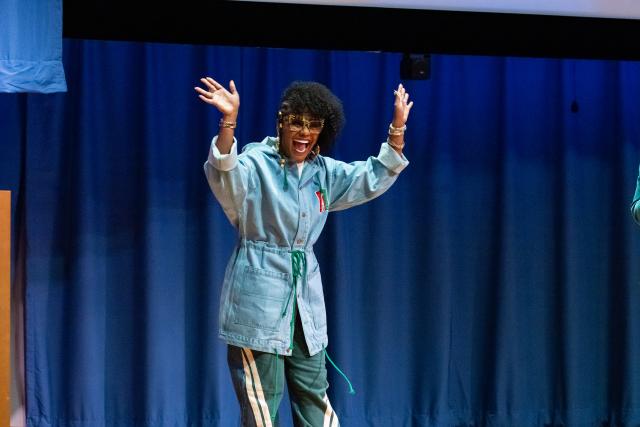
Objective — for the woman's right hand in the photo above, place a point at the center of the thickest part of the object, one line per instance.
(226, 101)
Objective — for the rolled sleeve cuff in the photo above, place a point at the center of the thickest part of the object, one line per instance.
(223, 162)
(391, 159)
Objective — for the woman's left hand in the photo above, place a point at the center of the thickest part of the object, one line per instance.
(401, 107)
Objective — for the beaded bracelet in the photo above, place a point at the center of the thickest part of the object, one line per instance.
(396, 131)
(397, 147)
(229, 125)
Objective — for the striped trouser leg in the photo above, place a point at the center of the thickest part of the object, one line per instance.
(307, 386)
(258, 380)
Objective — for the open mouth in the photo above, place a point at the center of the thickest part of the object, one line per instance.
(300, 145)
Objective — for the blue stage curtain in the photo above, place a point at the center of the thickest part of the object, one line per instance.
(31, 46)
(497, 283)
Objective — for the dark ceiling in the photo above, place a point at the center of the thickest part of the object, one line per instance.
(352, 28)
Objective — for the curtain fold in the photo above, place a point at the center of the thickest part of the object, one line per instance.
(496, 283)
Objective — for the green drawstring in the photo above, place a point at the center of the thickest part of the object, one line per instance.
(351, 390)
(285, 185)
(273, 403)
(286, 306)
(298, 263)
(283, 165)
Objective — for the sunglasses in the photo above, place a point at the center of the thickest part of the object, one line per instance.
(296, 123)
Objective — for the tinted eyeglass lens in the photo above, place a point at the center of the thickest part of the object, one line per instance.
(315, 126)
(296, 124)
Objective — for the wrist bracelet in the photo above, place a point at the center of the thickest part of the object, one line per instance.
(396, 131)
(399, 147)
(229, 125)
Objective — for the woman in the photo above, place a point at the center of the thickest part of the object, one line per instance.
(277, 194)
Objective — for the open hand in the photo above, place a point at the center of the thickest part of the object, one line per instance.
(401, 107)
(226, 101)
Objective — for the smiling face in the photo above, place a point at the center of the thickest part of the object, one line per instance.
(299, 134)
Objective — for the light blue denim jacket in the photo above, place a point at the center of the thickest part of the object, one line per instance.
(277, 228)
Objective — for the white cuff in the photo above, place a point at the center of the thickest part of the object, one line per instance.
(391, 159)
(223, 162)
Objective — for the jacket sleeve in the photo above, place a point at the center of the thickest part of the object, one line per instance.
(351, 184)
(635, 204)
(228, 176)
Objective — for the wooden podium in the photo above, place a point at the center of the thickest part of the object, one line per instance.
(5, 307)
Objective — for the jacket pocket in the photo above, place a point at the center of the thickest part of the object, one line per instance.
(316, 299)
(258, 298)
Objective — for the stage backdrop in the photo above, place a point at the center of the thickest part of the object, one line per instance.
(497, 283)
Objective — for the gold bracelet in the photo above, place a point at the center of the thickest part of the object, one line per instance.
(396, 131)
(229, 125)
(398, 147)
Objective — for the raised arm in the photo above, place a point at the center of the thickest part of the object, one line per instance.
(351, 184)
(228, 103)
(228, 177)
(401, 110)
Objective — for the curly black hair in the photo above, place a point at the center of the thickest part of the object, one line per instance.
(317, 100)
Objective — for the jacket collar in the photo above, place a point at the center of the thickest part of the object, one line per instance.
(311, 168)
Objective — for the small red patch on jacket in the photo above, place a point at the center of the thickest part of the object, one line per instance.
(321, 201)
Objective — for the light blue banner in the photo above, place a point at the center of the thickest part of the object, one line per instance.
(31, 46)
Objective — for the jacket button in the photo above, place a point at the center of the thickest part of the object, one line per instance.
(304, 215)
(300, 241)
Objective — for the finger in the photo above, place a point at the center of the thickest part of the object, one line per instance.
(208, 84)
(232, 86)
(205, 99)
(215, 84)
(203, 92)
(406, 97)
(409, 105)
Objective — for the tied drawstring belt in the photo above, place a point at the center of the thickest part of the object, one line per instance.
(298, 263)
(299, 270)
